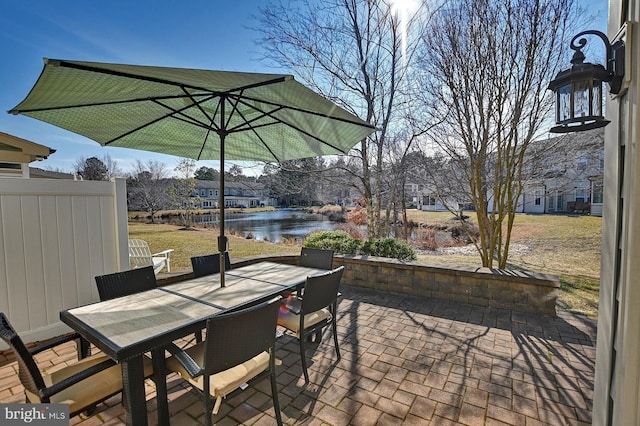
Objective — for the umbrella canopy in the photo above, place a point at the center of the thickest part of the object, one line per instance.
(198, 114)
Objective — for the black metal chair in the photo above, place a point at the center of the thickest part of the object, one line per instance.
(209, 264)
(316, 258)
(308, 315)
(124, 283)
(82, 385)
(239, 347)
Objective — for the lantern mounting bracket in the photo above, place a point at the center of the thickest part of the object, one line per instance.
(614, 59)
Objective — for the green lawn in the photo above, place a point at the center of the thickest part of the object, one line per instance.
(562, 245)
(567, 246)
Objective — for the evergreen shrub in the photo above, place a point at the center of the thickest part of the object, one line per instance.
(338, 241)
(343, 243)
(388, 247)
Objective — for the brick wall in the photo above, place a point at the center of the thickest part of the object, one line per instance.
(507, 289)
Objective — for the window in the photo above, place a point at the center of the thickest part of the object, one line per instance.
(211, 193)
(537, 196)
(10, 166)
(597, 192)
(581, 195)
(583, 162)
(560, 202)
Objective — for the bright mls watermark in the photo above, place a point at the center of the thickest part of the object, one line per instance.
(34, 414)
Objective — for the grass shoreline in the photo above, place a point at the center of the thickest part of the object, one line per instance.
(565, 246)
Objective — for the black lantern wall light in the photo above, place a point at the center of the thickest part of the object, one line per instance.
(578, 90)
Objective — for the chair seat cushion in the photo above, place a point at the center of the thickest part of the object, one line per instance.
(224, 382)
(94, 388)
(291, 320)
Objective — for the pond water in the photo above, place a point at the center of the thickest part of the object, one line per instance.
(274, 226)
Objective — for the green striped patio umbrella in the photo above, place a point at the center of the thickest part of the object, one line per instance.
(192, 113)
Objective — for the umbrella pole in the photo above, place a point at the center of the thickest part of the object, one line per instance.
(222, 239)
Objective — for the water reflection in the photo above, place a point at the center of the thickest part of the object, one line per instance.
(271, 226)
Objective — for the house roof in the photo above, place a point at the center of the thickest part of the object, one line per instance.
(214, 184)
(35, 172)
(16, 150)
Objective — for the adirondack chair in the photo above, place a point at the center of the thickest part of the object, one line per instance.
(140, 255)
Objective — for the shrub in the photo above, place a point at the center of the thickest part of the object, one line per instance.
(351, 230)
(343, 243)
(357, 216)
(467, 232)
(329, 208)
(338, 241)
(426, 239)
(389, 247)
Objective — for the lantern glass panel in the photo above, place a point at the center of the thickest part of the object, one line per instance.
(597, 98)
(581, 98)
(564, 103)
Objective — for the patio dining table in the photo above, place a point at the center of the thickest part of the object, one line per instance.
(128, 327)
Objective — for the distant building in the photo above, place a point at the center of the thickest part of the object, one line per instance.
(562, 175)
(16, 154)
(35, 172)
(237, 194)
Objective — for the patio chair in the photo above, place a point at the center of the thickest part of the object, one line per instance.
(308, 315)
(239, 347)
(124, 283)
(316, 258)
(209, 264)
(81, 385)
(141, 256)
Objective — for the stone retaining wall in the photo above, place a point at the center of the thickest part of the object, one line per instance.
(506, 289)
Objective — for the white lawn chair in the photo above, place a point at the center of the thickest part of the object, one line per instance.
(140, 255)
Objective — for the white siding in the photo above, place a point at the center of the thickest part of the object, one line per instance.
(617, 375)
(55, 236)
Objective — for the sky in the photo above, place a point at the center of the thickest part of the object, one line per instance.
(213, 34)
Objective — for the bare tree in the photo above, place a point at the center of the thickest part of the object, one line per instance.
(182, 192)
(356, 54)
(487, 65)
(113, 170)
(147, 187)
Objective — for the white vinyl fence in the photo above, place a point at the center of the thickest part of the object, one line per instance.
(55, 237)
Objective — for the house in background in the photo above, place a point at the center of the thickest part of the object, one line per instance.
(428, 199)
(16, 154)
(237, 194)
(37, 173)
(562, 175)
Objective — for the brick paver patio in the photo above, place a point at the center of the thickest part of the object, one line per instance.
(405, 360)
